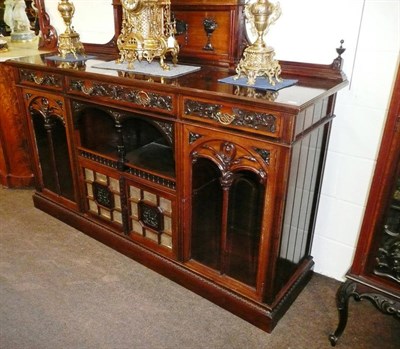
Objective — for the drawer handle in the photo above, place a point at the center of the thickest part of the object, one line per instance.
(143, 98)
(87, 90)
(225, 118)
(38, 79)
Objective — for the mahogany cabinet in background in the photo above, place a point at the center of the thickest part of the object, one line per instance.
(15, 165)
(375, 271)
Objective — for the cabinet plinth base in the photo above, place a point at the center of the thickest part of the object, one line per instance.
(261, 315)
(12, 181)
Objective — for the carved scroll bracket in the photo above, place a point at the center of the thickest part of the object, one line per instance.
(48, 35)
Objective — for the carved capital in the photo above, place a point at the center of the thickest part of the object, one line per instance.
(48, 108)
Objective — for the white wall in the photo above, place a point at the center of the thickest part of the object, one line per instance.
(361, 111)
(309, 31)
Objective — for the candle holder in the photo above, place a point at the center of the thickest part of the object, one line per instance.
(258, 58)
(147, 32)
(69, 41)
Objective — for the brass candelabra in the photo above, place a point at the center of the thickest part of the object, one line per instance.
(258, 58)
(69, 41)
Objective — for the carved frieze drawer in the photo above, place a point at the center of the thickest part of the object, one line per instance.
(123, 95)
(233, 116)
(40, 79)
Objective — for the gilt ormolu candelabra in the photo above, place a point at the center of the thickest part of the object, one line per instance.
(147, 32)
(69, 42)
(258, 58)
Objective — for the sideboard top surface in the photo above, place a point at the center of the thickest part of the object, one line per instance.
(315, 81)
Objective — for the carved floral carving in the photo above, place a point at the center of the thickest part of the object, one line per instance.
(240, 117)
(41, 79)
(228, 158)
(47, 108)
(103, 195)
(119, 93)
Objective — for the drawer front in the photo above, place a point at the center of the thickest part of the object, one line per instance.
(30, 77)
(232, 116)
(123, 95)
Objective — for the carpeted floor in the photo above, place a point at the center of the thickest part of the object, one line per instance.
(60, 289)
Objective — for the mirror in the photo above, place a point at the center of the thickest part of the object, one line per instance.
(93, 45)
(89, 30)
(48, 35)
(98, 29)
(40, 24)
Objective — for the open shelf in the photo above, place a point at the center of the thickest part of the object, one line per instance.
(138, 141)
(154, 156)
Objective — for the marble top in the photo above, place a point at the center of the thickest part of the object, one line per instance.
(19, 49)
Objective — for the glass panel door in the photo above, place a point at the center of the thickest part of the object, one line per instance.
(246, 198)
(52, 146)
(206, 214)
(226, 222)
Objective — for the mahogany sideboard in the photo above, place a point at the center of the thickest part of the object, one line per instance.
(212, 185)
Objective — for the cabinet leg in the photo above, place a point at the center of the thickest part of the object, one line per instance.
(342, 302)
(386, 305)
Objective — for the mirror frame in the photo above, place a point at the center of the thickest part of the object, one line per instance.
(49, 38)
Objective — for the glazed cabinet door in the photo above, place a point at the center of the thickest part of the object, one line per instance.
(50, 143)
(229, 191)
